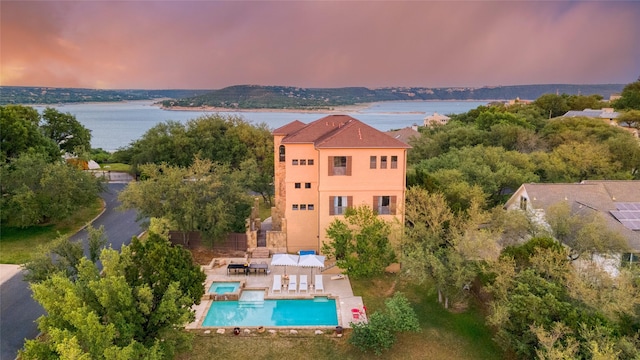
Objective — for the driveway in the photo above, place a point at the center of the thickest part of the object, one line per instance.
(18, 311)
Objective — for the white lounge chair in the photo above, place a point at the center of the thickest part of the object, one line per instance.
(293, 283)
(303, 283)
(319, 285)
(277, 284)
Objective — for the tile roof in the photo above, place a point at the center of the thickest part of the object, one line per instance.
(404, 134)
(341, 131)
(603, 196)
(602, 114)
(289, 128)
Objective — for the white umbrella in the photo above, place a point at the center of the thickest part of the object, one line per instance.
(284, 260)
(312, 261)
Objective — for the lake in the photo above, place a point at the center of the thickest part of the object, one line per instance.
(116, 125)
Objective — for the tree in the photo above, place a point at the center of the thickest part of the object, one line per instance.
(36, 191)
(379, 333)
(67, 132)
(133, 308)
(360, 243)
(630, 97)
(21, 134)
(552, 105)
(204, 197)
(629, 119)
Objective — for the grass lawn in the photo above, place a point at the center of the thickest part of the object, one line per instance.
(18, 244)
(444, 335)
(116, 167)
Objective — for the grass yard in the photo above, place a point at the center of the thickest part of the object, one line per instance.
(18, 244)
(444, 335)
(116, 167)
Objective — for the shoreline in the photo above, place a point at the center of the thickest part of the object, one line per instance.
(214, 109)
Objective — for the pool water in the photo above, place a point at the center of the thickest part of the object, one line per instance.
(320, 311)
(223, 287)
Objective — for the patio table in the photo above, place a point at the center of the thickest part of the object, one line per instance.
(236, 267)
(259, 267)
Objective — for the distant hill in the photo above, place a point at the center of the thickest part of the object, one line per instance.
(284, 97)
(48, 95)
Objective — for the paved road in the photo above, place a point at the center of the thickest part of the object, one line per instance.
(18, 311)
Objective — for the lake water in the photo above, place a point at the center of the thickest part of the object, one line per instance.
(116, 125)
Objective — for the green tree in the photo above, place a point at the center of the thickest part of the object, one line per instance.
(36, 191)
(204, 197)
(21, 134)
(629, 119)
(552, 105)
(630, 97)
(360, 243)
(67, 132)
(133, 308)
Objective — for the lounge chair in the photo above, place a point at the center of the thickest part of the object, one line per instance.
(293, 284)
(319, 284)
(277, 284)
(303, 283)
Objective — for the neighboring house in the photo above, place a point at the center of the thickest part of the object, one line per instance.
(323, 168)
(606, 114)
(436, 119)
(517, 101)
(618, 201)
(405, 134)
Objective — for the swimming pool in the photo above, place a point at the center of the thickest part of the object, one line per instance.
(222, 287)
(320, 311)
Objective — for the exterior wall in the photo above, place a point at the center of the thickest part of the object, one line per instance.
(279, 188)
(363, 184)
(302, 229)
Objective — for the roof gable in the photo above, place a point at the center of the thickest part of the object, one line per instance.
(289, 128)
(342, 131)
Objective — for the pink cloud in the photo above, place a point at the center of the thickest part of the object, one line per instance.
(209, 44)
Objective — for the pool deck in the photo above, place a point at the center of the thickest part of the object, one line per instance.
(339, 289)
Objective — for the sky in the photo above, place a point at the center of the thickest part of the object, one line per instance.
(210, 44)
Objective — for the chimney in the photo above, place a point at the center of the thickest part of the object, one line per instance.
(414, 127)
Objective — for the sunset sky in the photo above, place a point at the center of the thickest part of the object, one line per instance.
(212, 44)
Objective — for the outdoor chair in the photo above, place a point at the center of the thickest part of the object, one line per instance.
(293, 284)
(319, 285)
(303, 283)
(277, 284)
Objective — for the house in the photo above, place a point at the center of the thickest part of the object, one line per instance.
(618, 201)
(606, 114)
(405, 134)
(436, 119)
(323, 168)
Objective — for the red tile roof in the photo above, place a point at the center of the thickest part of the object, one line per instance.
(289, 128)
(340, 131)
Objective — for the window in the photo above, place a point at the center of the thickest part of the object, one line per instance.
(373, 162)
(294, 207)
(297, 185)
(394, 162)
(294, 162)
(281, 152)
(303, 206)
(339, 165)
(303, 162)
(310, 206)
(310, 162)
(523, 203)
(307, 185)
(339, 204)
(384, 205)
(383, 162)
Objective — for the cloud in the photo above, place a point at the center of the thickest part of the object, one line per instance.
(211, 44)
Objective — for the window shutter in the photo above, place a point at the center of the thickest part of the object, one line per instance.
(376, 202)
(348, 166)
(392, 204)
(331, 168)
(349, 201)
(332, 207)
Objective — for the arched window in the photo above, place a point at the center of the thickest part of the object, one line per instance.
(281, 152)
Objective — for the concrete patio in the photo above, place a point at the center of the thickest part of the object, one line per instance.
(340, 289)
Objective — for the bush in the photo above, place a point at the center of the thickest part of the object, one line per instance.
(379, 333)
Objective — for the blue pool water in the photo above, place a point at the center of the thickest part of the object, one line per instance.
(223, 287)
(287, 312)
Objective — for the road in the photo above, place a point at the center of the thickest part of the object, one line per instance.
(18, 311)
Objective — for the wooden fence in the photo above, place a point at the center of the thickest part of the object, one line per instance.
(234, 241)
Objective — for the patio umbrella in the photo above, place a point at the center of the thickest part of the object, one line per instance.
(284, 260)
(312, 261)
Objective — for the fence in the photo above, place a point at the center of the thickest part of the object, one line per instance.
(234, 241)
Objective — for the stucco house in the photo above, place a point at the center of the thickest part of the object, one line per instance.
(617, 201)
(436, 119)
(323, 168)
